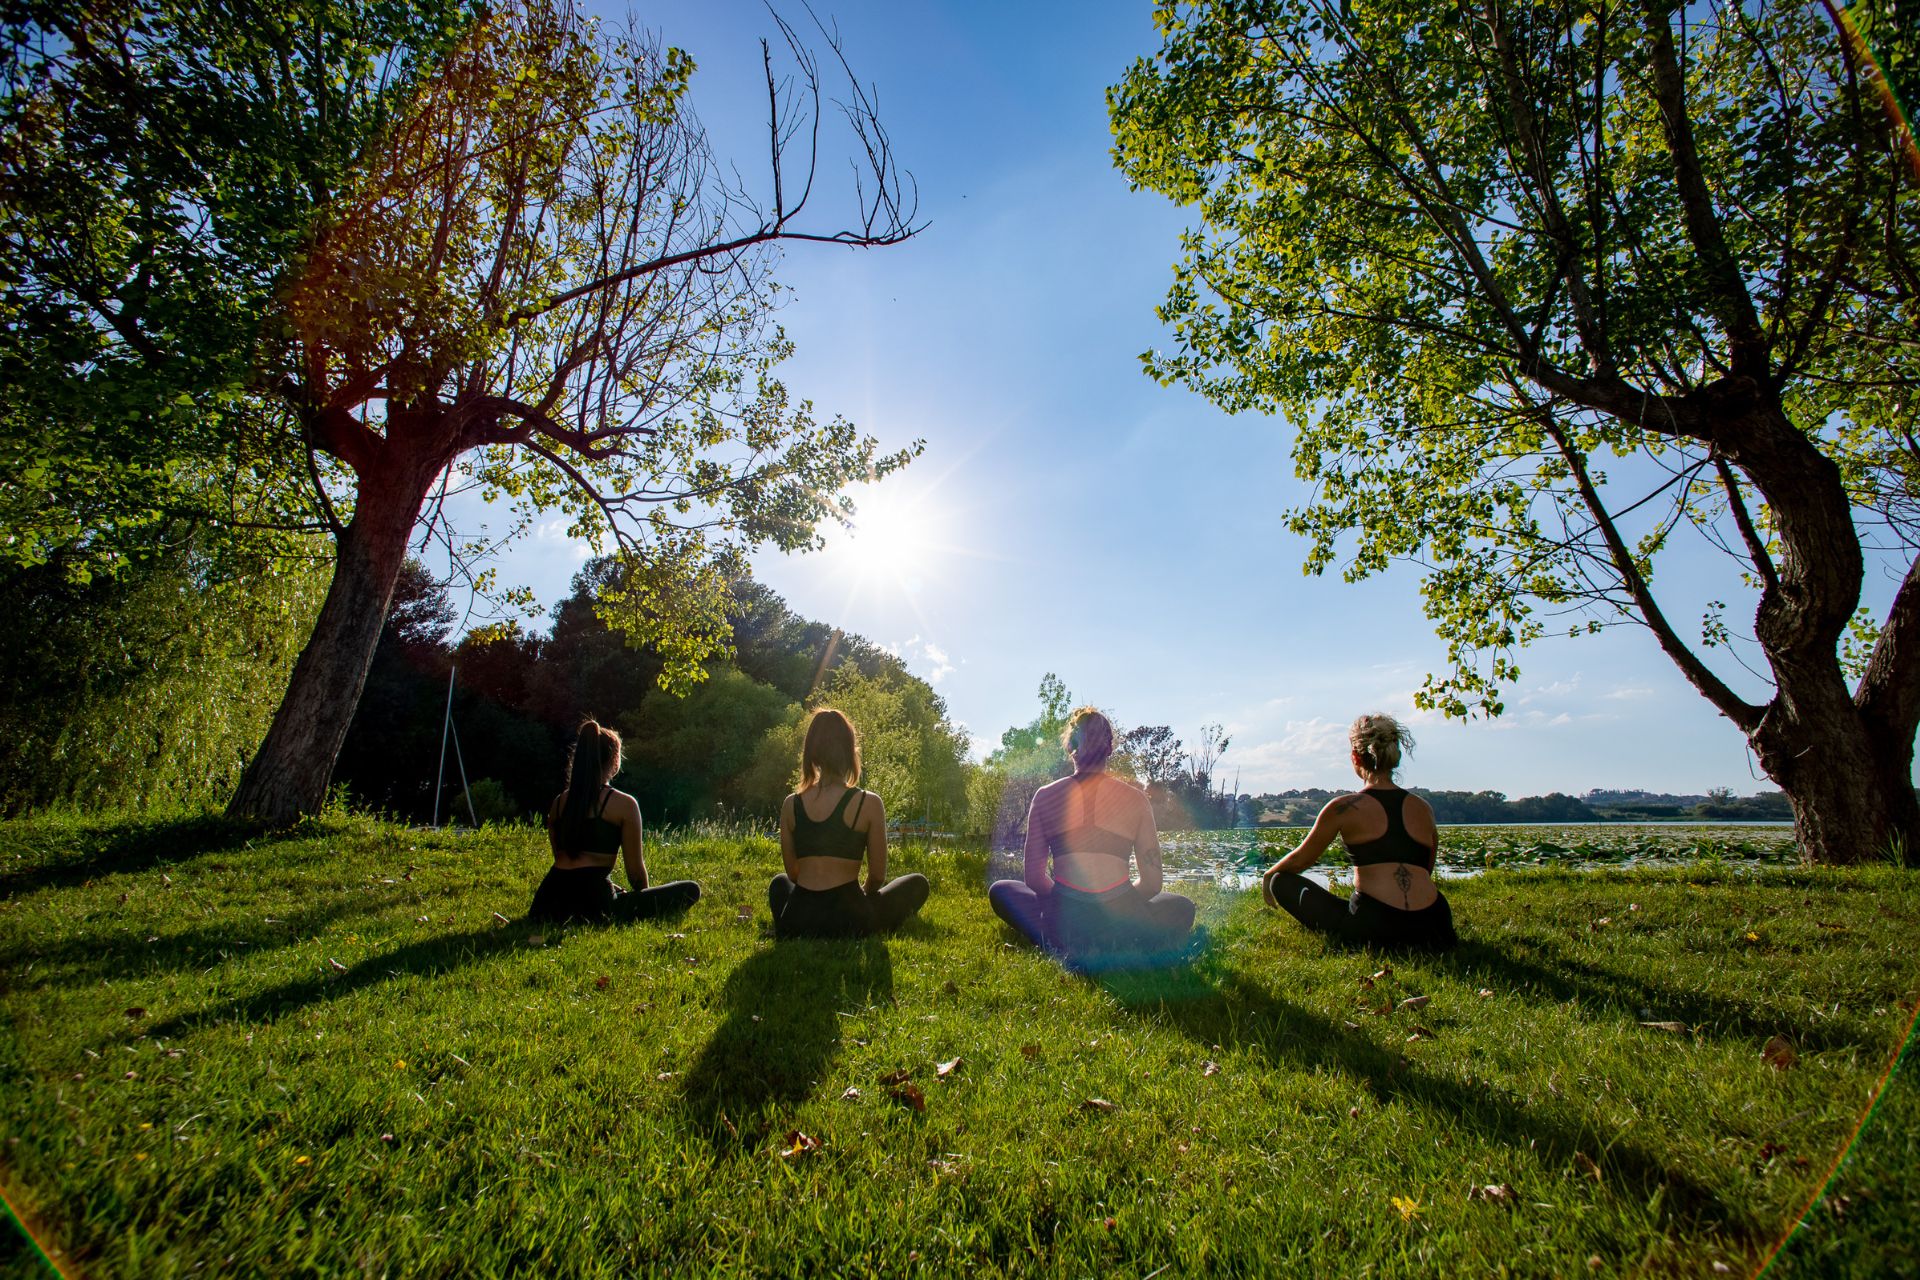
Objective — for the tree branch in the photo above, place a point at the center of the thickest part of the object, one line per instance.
(1730, 704)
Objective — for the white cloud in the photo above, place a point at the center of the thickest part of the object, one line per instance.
(1628, 693)
(923, 657)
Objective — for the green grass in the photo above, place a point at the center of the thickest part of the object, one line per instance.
(320, 1054)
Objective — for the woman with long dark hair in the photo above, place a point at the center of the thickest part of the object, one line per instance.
(1078, 895)
(826, 828)
(1391, 836)
(589, 825)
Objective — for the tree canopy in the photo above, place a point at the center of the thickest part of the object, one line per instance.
(1544, 288)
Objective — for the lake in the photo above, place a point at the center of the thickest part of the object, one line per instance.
(1236, 858)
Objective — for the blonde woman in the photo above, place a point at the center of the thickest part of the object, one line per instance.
(1390, 834)
(588, 826)
(826, 828)
(1078, 895)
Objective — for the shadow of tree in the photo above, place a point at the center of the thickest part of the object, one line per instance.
(1230, 1009)
(781, 1030)
(116, 951)
(429, 957)
(1561, 977)
(128, 848)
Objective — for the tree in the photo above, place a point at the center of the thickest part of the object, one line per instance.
(1545, 288)
(1156, 754)
(160, 162)
(537, 284)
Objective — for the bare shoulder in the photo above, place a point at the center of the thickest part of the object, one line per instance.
(872, 809)
(623, 805)
(1342, 806)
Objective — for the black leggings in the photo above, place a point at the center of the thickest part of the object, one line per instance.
(844, 911)
(587, 895)
(1121, 926)
(1361, 919)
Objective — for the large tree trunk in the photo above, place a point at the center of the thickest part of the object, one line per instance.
(289, 774)
(1852, 794)
(1843, 759)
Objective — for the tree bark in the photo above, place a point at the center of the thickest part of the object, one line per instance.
(289, 774)
(1844, 761)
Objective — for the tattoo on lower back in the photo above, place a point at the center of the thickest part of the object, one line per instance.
(1404, 878)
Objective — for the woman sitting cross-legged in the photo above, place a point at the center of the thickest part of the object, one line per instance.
(1086, 905)
(825, 829)
(590, 824)
(1390, 834)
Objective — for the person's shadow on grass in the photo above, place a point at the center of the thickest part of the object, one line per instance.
(782, 1029)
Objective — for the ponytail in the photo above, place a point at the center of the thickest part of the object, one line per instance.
(591, 765)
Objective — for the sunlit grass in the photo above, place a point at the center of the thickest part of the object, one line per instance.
(323, 1054)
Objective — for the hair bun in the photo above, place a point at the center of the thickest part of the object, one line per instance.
(1379, 741)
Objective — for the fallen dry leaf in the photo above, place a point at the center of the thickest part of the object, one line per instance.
(1112, 1223)
(897, 1077)
(600, 983)
(422, 919)
(950, 987)
(1778, 1053)
(1029, 1050)
(1585, 1164)
(675, 937)
(136, 1012)
(1495, 1193)
(1096, 1104)
(336, 965)
(908, 1095)
(798, 1144)
(744, 913)
(500, 919)
(537, 940)
(947, 1068)
(1212, 1068)
(851, 1095)
(1678, 1028)
(1415, 1002)
(1351, 1026)
(663, 1075)
(1353, 1113)
(1421, 1033)
(1485, 993)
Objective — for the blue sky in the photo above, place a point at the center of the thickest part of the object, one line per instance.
(1069, 514)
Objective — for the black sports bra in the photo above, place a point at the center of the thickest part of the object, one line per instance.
(1396, 845)
(831, 837)
(597, 835)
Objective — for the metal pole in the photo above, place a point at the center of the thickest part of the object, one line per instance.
(462, 762)
(439, 777)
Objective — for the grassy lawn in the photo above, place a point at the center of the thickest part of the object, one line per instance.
(321, 1054)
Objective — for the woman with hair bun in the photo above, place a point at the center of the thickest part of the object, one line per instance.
(1390, 834)
(826, 827)
(588, 825)
(1086, 905)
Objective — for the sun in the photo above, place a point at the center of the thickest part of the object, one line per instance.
(896, 537)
